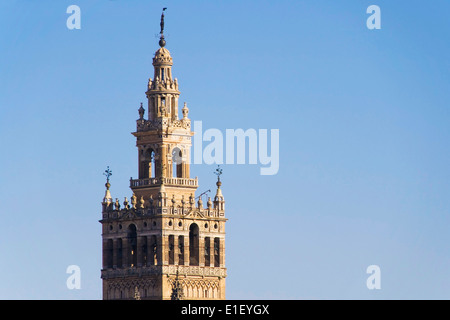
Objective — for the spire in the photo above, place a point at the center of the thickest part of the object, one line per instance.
(107, 198)
(162, 42)
(141, 112)
(218, 173)
(219, 201)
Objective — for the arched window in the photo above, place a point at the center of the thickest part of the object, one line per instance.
(216, 252)
(109, 253)
(181, 250)
(119, 253)
(132, 243)
(154, 251)
(171, 250)
(147, 166)
(177, 163)
(144, 251)
(193, 244)
(207, 252)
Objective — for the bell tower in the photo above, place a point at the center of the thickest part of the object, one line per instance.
(163, 243)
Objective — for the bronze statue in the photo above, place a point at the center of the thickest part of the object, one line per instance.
(162, 42)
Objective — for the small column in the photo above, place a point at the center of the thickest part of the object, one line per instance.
(175, 107)
(165, 250)
(159, 250)
(164, 164)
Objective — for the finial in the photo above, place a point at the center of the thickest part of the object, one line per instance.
(173, 200)
(185, 111)
(133, 201)
(141, 112)
(151, 200)
(107, 173)
(218, 173)
(209, 203)
(107, 198)
(162, 42)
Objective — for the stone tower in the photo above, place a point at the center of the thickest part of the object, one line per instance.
(163, 242)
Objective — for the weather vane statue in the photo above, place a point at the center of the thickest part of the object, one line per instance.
(107, 173)
(218, 172)
(162, 42)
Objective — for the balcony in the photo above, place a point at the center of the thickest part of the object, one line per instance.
(165, 269)
(178, 182)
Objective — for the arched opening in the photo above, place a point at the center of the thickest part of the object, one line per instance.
(171, 250)
(132, 242)
(119, 253)
(144, 251)
(207, 252)
(216, 252)
(147, 166)
(154, 251)
(109, 253)
(177, 163)
(181, 250)
(193, 244)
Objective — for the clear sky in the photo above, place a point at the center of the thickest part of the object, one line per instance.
(363, 117)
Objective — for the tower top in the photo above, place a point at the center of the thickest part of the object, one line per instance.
(107, 198)
(162, 42)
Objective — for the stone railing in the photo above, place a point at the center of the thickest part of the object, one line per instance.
(160, 123)
(166, 269)
(136, 183)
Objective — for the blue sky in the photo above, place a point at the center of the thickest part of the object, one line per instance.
(364, 139)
